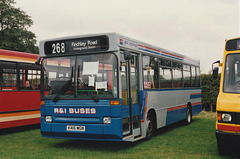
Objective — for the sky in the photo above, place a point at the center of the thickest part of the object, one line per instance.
(194, 28)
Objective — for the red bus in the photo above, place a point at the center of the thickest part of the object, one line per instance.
(19, 106)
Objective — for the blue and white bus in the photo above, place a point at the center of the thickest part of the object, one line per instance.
(110, 87)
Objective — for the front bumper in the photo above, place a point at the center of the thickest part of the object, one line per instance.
(99, 132)
(232, 138)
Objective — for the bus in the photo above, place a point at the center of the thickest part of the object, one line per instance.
(109, 87)
(228, 104)
(19, 106)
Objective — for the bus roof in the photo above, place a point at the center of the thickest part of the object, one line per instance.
(16, 56)
(115, 43)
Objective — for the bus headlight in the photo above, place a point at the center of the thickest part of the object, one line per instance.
(107, 120)
(226, 117)
(48, 119)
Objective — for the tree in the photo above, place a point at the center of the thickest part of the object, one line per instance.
(14, 24)
(210, 89)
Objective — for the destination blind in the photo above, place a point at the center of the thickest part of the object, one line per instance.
(232, 45)
(76, 45)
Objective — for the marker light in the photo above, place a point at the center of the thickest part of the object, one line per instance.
(48, 119)
(219, 116)
(106, 120)
(42, 102)
(114, 102)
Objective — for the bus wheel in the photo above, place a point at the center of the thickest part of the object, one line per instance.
(189, 116)
(150, 127)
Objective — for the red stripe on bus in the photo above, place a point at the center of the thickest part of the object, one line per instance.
(198, 103)
(9, 124)
(181, 57)
(195, 93)
(18, 58)
(226, 127)
(161, 51)
(238, 129)
(182, 106)
(177, 107)
(18, 54)
(19, 114)
(144, 109)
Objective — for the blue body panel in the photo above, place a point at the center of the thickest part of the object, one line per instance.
(196, 109)
(176, 115)
(68, 112)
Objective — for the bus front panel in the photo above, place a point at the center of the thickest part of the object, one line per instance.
(85, 120)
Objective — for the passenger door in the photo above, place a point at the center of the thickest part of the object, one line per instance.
(130, 97)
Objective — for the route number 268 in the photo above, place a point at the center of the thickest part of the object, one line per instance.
(58, 48)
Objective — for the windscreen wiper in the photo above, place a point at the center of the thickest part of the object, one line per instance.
(95, 98)
(55, 99)
(62, 90)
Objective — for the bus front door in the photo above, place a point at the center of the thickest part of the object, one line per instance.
(130, 98)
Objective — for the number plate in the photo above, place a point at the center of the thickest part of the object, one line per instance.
(75, 128)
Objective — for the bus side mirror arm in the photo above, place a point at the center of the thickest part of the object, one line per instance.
(38, 62)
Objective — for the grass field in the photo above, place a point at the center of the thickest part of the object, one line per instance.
(177, 141)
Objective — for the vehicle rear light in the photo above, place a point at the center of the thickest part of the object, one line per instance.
(114, 102)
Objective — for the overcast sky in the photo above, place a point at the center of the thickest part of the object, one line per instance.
(195, 28)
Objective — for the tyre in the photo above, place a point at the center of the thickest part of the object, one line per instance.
(150, 127)
(189, 116)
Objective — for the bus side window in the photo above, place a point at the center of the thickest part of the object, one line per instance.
(9, 76)
(165, 77)
(187, 75)
(34, 78)
(193, 76)
(150, 72)
(31, 73)
(198, 77)
(177, 75)
(165, 74)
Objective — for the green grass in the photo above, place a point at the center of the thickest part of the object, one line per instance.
(177, 141)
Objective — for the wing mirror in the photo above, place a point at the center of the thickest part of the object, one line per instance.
(127, 55)
(215, 70)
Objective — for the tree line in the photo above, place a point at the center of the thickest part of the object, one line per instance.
(210, 88)
(14, 25)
